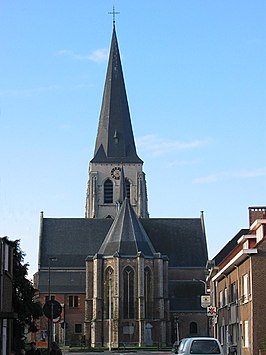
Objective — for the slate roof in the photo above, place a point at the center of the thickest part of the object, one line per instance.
(115, 141)
(223, 253)
(71, 240)
(126, 236)
(181, 239)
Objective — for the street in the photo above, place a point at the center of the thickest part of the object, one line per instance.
(120, 353)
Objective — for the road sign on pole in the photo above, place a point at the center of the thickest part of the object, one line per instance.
(205, 301)
(52, 309)
(211, 311)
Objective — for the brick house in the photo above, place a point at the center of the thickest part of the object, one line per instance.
(238, 282)
(6, 309)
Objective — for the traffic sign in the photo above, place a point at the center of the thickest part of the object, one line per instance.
(52, 309)
(205, 301)
(211, 311)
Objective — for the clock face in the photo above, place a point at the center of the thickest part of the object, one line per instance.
(115, 173)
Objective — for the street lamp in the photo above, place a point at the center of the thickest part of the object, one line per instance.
(206, 291)
(50, 321)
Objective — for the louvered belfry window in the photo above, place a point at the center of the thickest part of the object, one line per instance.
(108, 191)
(127, 188)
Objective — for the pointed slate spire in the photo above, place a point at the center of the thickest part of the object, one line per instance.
(115, 140)
(126, 236)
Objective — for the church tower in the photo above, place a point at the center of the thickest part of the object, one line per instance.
(115, 149)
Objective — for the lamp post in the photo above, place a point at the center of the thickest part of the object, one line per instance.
(206, 293)
(50, 321)
(177, 330)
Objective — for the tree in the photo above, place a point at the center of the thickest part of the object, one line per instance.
(23, 297)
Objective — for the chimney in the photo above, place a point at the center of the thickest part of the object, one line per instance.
(256, 213)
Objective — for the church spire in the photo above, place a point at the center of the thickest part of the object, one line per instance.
(115, 141)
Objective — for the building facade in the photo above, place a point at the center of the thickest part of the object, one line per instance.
(238, 283)
(6, 308)
(121, 276)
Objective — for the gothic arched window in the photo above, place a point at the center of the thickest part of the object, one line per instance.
(108, 191)
(193, 328)
(147, 293)
(128, 276)
(127, 188)
(109, 290)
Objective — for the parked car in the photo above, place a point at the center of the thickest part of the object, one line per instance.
(199, 345)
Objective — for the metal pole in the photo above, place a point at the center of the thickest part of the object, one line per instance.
(50, 321)
(49, 298)
(177, 331)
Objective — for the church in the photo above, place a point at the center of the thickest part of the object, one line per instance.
(122, 277)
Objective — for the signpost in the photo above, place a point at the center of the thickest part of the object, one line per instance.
(211, 311)
(205, 301)
(52, 309)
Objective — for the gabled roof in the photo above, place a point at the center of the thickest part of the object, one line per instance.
(71, 240)
(229, 247)
(127, 237)
(115, 140)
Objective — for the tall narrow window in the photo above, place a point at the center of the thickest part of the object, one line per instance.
(221, 299)
(233, 292)
(246, 334)
(225, 296)
(127, 189)
(245, 288)
(108, 191)
(109, 277)
(147, 293)
(128, 276)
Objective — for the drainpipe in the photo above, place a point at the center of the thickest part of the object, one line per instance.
(239, 340)
(251, 305)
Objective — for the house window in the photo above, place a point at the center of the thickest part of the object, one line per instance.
(78, 328)
(233, 292)
(51, 297)
(221, 299)
(127, 189)
(246, 340)
(73, 301)
(245, 288)
(193, 328)
(222, 335)
(108, 191)
(225, 296)
(147, 293)
(128, 276)
(7, 257)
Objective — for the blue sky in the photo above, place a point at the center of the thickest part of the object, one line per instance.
(196, 84)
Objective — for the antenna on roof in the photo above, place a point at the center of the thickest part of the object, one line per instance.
(113, 13)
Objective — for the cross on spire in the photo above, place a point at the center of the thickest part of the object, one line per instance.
(113, 13)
